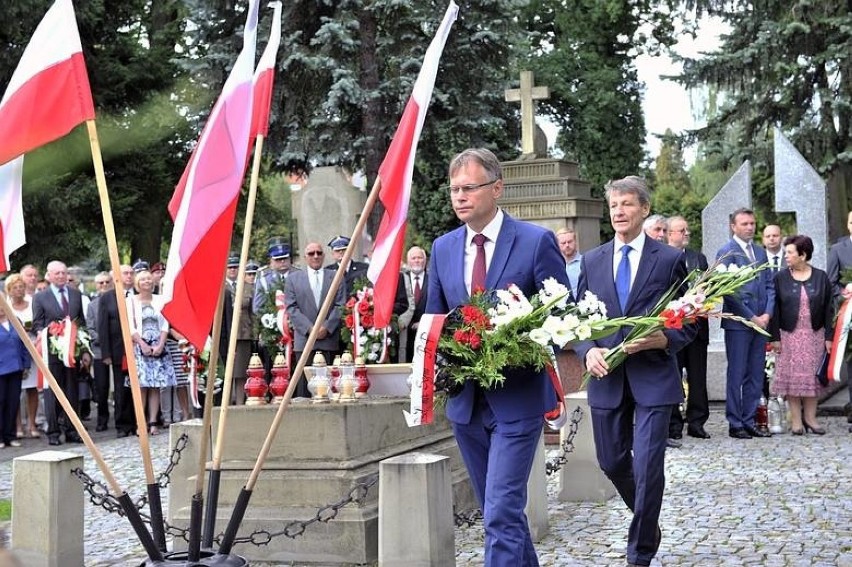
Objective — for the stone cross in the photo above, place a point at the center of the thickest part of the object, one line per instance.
(527, 95)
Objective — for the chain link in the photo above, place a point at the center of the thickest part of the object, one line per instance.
(174, 458)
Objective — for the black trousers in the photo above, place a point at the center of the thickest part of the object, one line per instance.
(125, 418)
(10, 400)
(693, 358)
(57, 420)
(101, 393)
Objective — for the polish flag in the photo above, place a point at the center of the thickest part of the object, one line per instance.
(205, 200)
(47, 97)
(395, 174)
(264, 78)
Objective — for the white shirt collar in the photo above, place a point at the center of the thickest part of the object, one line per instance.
(743, 244)
(637, 244)
(491, 230)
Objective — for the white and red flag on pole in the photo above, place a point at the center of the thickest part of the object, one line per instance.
(264, 78)
(395, 175)
(46, 98)
(205, 200)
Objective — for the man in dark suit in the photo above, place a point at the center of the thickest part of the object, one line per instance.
(354, 270)
(840, 259)
(632, 404)
(410, 303)
(497, 430)
(304, 294)
(112, 353)
(746, 348)
(774, 251)
(55, 303)
(693, 357)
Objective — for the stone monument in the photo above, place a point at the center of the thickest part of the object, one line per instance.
(328, 205)
(543, 190)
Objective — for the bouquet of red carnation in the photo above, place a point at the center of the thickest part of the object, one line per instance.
(69, 341)
(359, 331)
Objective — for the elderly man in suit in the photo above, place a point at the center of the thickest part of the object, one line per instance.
(410, 303)
(693, 357)
(746, 348)
(304, 294)
(55, 303)
(632, 404)
(497, 430)
(840, 259)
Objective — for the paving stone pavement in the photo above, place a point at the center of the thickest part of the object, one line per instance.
(784, 501)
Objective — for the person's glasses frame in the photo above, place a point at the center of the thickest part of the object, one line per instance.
(468, 189)
(315, 253)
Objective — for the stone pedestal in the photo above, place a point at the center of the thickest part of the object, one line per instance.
(550, 193)
(536, 509)
(47, 518)
(717, 371)
(320, 453)
(416, 526)
(581, 479)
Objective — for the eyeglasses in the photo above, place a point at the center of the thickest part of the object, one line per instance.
(468, 189)
(314, 253)
(101, 283)
(683, 230)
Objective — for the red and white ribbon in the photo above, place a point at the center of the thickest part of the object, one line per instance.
(43, 346)
(838, 344)
(423, 370)
(557, 417)
(192, 358)
(283, 322)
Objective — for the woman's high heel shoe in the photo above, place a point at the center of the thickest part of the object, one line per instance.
(797, 432)
(814, 430)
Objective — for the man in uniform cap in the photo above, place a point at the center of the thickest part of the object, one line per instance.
(355, 270)
(140, 265)
(274, 275)
(158, 270)
(233, 269)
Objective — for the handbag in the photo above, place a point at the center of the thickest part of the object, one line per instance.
(822, 371)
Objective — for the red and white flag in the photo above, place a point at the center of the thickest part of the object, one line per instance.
(264, 78)
(46, 98)
(205, 200)
(395, 174)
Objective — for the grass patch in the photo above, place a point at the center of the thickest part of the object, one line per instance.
(5, 510)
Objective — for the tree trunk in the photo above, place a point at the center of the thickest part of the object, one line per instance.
(372, 110)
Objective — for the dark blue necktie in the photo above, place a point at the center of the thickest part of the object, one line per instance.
(622, 277)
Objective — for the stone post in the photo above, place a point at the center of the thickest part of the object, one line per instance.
(183, 477)
(416, 527)
(536, 509)
(47, 513)
(580, 478)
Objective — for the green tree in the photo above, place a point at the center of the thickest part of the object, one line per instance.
(783, 63)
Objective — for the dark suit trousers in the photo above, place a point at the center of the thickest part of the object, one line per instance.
(746, 352)
(125, 417)
(101, 392)
(57, 421)
(499, 457)
(633, 458)
(10, 400)
(694, 359)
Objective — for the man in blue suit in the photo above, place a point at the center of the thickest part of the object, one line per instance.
(497, 430)
(745, 347)
(631, 404)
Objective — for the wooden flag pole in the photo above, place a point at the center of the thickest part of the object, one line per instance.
(141, 423)
(154, 552)
(242, 500)
(206, 435)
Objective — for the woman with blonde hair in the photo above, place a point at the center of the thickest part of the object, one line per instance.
(16, 290)
(149, 330)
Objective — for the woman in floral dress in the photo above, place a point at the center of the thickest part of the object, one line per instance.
(149, 330)
(801, 328)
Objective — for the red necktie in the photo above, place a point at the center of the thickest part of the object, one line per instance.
(477, 281)
(417, 291)
(64, 301)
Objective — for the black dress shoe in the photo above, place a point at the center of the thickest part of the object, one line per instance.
(54, 441)
(757, 432)
(675, 434)
(697, 432)
(73, 438)
(672, 444)
(122, 433)
(738, 433)
(101, 427)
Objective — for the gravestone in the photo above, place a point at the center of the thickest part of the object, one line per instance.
(328, 205)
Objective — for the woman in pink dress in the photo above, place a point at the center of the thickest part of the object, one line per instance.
(801, 330)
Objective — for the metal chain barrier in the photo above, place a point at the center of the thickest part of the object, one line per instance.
(100, 496)
(468, 518)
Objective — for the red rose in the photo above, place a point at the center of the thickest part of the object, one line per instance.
(351, 303)
(367, 321)
(363, 308)
(56, 328)
(475, 341)
(350, 321)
